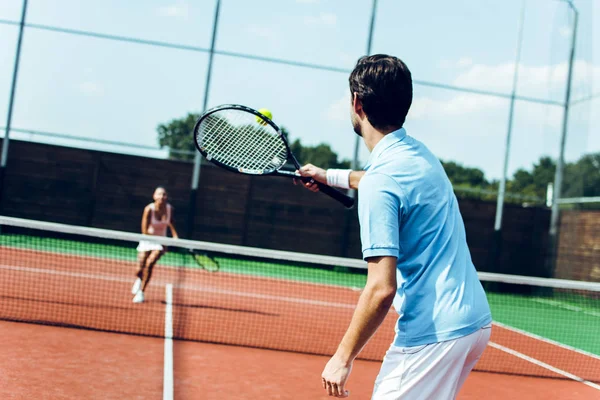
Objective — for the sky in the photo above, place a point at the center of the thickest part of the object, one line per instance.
(94, 88)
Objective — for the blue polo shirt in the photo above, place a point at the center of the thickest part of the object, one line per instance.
(408, 210)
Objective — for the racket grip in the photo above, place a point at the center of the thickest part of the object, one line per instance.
(335, 194)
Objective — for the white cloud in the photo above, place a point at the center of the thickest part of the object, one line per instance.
(339, 110)
(467, 105)
(464, 62)
(179, 10)
(91, 88)
(264, 32)
(445, 64)
(565, 31)
(461, 63)
(462, 104)
(494, 77)
(322, 19)
(347, 59)
(533, 80)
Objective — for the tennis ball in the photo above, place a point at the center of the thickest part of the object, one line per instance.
(266, 113)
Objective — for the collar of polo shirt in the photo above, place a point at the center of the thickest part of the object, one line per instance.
(384, 143)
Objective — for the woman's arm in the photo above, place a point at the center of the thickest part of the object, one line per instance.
(145, 220)
(172, 225)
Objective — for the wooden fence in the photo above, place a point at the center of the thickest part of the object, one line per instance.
(107, 190)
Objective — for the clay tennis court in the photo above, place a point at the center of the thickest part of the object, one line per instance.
(218, 335)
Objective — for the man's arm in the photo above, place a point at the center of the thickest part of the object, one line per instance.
(320, 175)
(354, 178)
(373, 306)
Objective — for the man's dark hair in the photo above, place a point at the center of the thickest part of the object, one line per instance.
(383, 84)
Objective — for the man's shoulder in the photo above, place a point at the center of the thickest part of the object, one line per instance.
(376, 185)
(376, 177)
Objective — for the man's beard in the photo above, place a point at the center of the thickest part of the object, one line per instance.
(356, 126)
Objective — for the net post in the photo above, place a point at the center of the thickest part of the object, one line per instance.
(496, 248)
(2, 174)
(197, 156)
(6, 140)
(558, 175)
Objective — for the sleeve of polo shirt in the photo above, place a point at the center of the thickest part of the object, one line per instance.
(379, 210)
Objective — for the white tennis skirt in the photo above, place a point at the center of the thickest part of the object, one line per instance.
(146, 245)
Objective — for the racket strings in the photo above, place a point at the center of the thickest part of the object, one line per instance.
(232, 137)
(210, 139)
(215, 141)
(266, 151)
(262, 144)
(229, 146)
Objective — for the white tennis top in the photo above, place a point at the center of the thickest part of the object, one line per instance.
(158, 227)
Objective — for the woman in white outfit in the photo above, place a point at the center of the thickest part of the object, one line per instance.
(157, 217)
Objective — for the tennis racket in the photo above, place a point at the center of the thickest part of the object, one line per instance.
(243, 140)
(204, 260)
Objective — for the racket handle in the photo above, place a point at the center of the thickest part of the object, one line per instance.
(335, 194)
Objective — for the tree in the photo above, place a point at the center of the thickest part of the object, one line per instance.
(534, 183)
(467, 176)
(583, 177)
(178, 135)
(321, 155)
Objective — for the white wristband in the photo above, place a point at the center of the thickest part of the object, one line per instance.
(339, 178)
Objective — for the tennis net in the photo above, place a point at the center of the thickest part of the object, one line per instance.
(79, 277)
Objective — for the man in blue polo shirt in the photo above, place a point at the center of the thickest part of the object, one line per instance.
(414, 241)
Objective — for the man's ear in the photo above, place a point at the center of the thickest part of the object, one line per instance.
(357, 105)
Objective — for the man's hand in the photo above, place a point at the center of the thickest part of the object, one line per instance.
(316, 173)
(335, 375)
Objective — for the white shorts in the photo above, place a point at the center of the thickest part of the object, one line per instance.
(145, 245)
(431, 371)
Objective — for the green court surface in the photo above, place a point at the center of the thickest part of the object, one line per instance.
(567, 317)
(335, 275)
(552, 317)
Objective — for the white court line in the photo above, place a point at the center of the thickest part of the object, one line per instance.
(224, 273)
(304, 301)
(566, 306)
(267, 297)
(65, 273)
(168, 375)
(543, 365)
(546, 340)
(190, 287)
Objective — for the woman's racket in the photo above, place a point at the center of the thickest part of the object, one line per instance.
(243, 140)
(204, 260)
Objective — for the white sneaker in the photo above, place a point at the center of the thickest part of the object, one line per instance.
(139, 297)
(136, 286)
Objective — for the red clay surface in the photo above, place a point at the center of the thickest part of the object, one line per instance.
(578, 364)
(229, 309)
(262, 374)
(41, 362)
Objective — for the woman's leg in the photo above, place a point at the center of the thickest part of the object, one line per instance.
(142, 257)
(152, 259)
